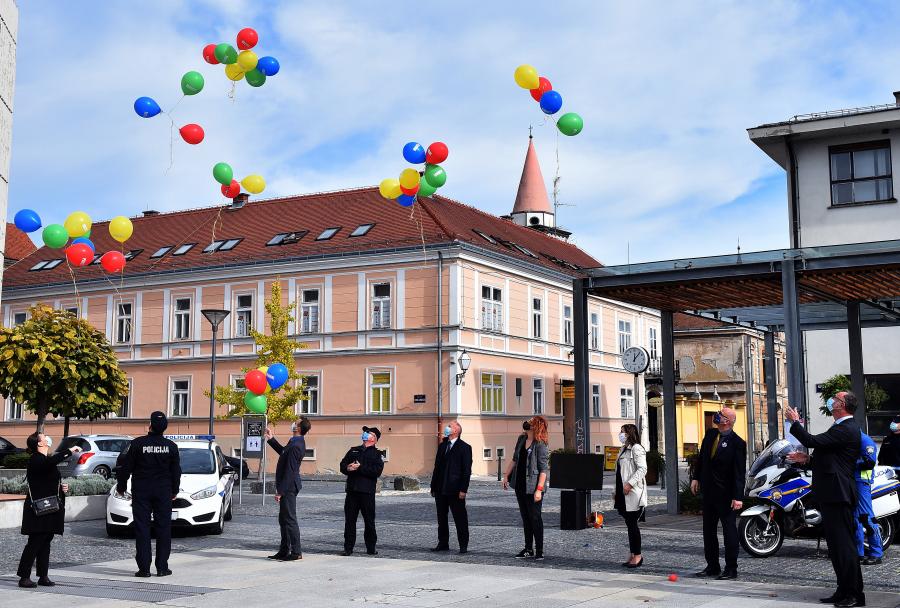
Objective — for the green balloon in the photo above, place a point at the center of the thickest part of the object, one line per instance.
(223, 174)
(570, 124)
(255, 78)
(55, 236)
(435, 176)
(225, 53)
(426, 189)
(192, 83)
(255, 403)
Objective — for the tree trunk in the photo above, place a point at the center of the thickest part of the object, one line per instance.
(41, 410)
(66, 427)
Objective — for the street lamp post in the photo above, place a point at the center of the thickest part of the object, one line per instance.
(215, 318)
(463, 361)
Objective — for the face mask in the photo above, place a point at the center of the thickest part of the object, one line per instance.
(829, 405)
(623, 438)
(365, 436)
(49, 442)
(895, 427)
(718, 418)
(446, 431)
(293, 427)
(526, 426)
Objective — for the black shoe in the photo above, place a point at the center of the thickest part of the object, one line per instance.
(850, 602)
(292, 557)
(871, 561)
(830, 599)
(637, 565)
(165, 572)
(347, 553)
(27, 583)
(706, 572)
(463, 551)
(46, 582)
(371, 552)
(440, 548)
(142, 574)
(524, 553)
(728, 575)
(278, 556)
(538, 557)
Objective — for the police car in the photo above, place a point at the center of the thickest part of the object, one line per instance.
(204, 497)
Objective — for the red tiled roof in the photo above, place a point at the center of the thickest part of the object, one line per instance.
(18, 245)
(683, 322)
(429, 221)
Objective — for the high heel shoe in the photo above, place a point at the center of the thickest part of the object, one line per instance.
(637, 565)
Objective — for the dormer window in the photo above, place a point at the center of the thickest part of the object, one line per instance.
(861, 173)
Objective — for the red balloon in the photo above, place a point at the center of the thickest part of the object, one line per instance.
(541, 89)
(247, 38)
(192, 134)
(410, 191)
(256, 382)
(79, 254)
(436, 153)
(232, 189)
(209, 54)
(112, 261)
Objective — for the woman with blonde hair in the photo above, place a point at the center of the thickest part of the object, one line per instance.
(631, 489)
(527, 472)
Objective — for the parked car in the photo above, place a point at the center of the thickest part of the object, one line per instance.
(98, 454)
(235, 463)
(7, 448)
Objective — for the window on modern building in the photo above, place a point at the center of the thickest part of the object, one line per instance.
(537, 317)
(19, 318)
(361, 230)
(310, 403)
(327, 234)
(626, 401)
(14, 410)
(538, 395)
(567, 324)
(861, 173)
(243, 315)
(309, 311)
(624, 336)
(595, 400)
(124, 317)
(380, 387)
(125, 404)
(487, 454)
(491, 308)
(653, 344)
(595, 331)
(183, 249)
(181, 398)
(491, 393)
(162, 251)
(381, 305)
(182, 318)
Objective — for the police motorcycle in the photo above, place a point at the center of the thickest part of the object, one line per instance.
(785, 510)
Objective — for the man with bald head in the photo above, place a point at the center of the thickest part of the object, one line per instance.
(719, 476)
(449, 486)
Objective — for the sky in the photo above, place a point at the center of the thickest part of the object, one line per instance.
(663, 168)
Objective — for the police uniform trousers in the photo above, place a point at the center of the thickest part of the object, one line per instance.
(867, 531)
(354, 504)
(715, 511)
(840, 531)
(152, 497)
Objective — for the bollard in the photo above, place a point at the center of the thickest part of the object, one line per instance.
(499, 468)
(662, 478)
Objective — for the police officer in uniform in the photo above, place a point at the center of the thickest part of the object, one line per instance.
(153, 463)
(362, 465)
(867, 531)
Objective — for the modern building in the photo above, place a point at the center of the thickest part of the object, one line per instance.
(390, 301)
(9, 23)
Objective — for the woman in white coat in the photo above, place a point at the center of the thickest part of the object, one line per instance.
(631, 489)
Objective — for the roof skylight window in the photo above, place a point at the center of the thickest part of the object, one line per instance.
(52, 264)
(213, 246)
(183, 249)
(277, 239)
(39, 265)
(328, 233)
(132, 254)
(230, 244)
(162, 251)
(361, 229)
(484, 236)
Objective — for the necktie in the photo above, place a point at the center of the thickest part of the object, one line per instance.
(715, 446)
(449, 445)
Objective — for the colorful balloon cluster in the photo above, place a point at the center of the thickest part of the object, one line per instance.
(80, 252)
(224, 174)
(243, 64)
(262, 381)
(551, 101)
(413, 182)
(191, 84)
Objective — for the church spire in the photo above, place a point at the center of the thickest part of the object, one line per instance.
(532, 207)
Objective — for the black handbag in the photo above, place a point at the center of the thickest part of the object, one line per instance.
(43, 506)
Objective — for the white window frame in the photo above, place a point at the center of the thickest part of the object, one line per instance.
(595, 331)
(371, 371)
(317, 391)
(567, 334)
(235, 381)
(124, 327)
(537, 317)
(243, 314)
(16, 315)
(624, 335)
(596, 401)
(653, 343)
(307, 456)
(598, 449)
(386, 457)
(492, 308)
(12, 408)
(378, 318)
(537, 395)
(307, 308)
(500, 451)
(127, 402)
(487, 453)
(493, 387)
(172, 395)
(626, 401)
(189, 313)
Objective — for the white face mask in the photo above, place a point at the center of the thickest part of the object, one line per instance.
(623, 438)
(48, 441)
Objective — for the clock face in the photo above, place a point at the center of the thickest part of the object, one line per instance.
(635, 360)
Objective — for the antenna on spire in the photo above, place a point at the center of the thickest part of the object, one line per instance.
(529, 131)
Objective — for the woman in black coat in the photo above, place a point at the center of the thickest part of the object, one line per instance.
(43, 480)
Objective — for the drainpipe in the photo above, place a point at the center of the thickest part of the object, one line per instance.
(794, 194)
(751, 398)
(440, 340)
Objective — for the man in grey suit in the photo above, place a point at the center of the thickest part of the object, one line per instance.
(287, 485)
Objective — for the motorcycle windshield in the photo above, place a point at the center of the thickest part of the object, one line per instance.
(773, 455)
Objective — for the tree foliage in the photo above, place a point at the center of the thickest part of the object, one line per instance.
(875, 395)
(55, 363)
(276, 347)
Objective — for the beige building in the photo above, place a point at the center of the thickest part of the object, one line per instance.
(9, 22)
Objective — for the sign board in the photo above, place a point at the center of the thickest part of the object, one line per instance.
(655, 401)
(254, 430)
(418, 398)
(610, 455)
(819, 387)
(568, 392)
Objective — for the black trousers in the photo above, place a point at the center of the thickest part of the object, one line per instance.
(634, 532)
(290, 527)
(354, 504)
(840, 533)
(155, 499)
(452, 503)
(37, 548)
(713, 513)
(532, 521)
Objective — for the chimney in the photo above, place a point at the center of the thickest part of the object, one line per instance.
(897, 98)
(240, 200)
(150, 212)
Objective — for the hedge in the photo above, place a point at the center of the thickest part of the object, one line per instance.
(86, 485)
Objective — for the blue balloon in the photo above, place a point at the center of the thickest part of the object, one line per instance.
(406, 200)
(551, 102)
(146, 107)
(268, 65)
(27, 220)
(277, 375)
(414, 153)
(86, 241)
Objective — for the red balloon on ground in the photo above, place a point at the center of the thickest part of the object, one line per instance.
(673, 577)
(541, 89)
(436, 153)
(209, 54)
(247, 38)
(232, 189)
(256, 382)
(410, 191)
(191, 133)
(79, 254)
(112, 261)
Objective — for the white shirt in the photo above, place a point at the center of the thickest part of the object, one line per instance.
(840, 420)
(452, 441)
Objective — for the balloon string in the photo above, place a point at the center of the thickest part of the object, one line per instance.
(233, 91)
(171, 144)
(421, 230)
(74, 282)
(176, 104)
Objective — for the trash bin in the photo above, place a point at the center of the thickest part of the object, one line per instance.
(572, 510)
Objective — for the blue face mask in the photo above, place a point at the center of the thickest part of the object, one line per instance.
(446, 431)
(365, 436)
(829, 405)
(895, 427)
(717, 418)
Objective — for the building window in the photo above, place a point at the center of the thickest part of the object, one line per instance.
(162, 251)
(310, 403)
(181, 398)
(19, 318)
(361, 230)
(309, 311)
(595, 331)
(538, 398)
(654, 346)
(861, 173)
(13, 410)
(327, 234)
(123, 322)
(626, 400)
(183, 249)
(537, 317)
(491, 308)
(624, 336)
(125, 405)
(380, 387)
(487, 454)
(73, 310)
(237, 382)
(310, 454)
(381, 305)
(501, 453)
(491, 393)
(595, 400)
(182, 318)
(567, 324)
(243, 317)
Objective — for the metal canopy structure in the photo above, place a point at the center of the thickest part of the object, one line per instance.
(789, 290)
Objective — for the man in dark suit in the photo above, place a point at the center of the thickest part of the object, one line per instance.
(719, 475)
(449, 485)
(833, 488)
(287, 485)
(363, 465)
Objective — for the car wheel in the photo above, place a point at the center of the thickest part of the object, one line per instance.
(219, 526)
(228, 514)
(116, 531)
(103, 471)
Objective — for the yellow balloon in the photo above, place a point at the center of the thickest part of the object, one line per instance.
(234, 71)
(390, 188)
(121, 228)
(254, 184)
(527, 77)
(409, 178)
(264, 369)
(247, 60)
(78, 224)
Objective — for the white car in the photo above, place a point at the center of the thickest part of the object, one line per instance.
(205, 493)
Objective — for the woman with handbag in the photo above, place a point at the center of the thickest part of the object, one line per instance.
(631, 489)
(44, 509)
(527, 472)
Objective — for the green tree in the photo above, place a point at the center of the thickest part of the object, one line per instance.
(55, 363)
(274, 348)
(876, 396)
